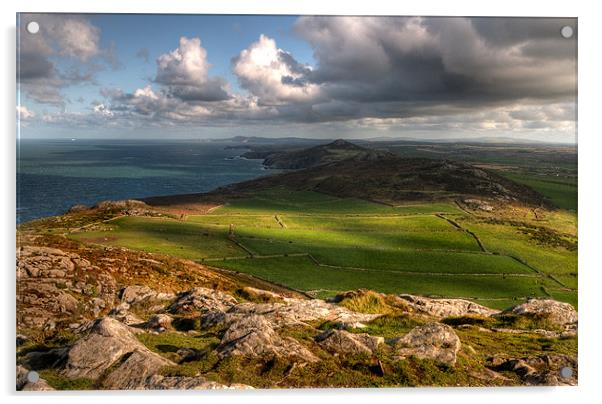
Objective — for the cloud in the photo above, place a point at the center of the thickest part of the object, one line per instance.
(395, 74)
(70, 38)
(439, 60)
(273, 75)
(24, 114)
(185, 72)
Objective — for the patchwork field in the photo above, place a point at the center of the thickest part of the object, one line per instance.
(562, 192)
(322, 245)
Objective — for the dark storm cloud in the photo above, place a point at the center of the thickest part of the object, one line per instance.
(441, 60)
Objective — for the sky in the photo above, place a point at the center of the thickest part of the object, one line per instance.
(217, 76)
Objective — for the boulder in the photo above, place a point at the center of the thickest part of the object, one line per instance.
(158, 322)
(430, 341)
(254, 336)
(137, 294)
(202, 300)
(343, 342)
(559, 313)
(441, 308)
(108, 343)
(134, 369)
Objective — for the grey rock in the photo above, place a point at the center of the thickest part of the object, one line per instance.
(107, 343)
(343, 342)
(430, 341)
(137, 294)
(133, 372)
(254, 336)
(557, 312)
(202, 300)
(441, 308)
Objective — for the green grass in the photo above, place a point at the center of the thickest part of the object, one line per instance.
(561, 191)
(302, 274)
(360, 244)
(166, 236)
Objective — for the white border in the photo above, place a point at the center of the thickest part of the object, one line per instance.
(589, 189)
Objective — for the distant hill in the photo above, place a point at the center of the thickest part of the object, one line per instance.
(343, 169)
(317, 155)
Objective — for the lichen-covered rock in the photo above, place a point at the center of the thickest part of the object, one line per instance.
(343, 342)
(202, 300)
(557, 312)
(137, 294)
(158, 322)
(254, 336)
(430, 341)
(290, 312)
(134, 370)
(441, 308)
(55, 286)
(158, 382)
(544, 370)
(107, 343)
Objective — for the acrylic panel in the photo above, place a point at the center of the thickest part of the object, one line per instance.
(275, 201)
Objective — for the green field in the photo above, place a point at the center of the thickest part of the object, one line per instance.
(562, 192)
(323, 245)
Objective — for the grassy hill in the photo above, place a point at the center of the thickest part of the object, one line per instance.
(323, 245)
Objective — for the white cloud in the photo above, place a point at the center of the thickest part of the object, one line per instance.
(24, 114)
(273, 75)
(185, 72)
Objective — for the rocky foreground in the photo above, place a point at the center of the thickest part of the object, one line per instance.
(104, 318)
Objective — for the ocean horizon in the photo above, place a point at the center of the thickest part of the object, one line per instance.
(56, 174)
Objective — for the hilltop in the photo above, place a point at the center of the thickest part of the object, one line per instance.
(317, 155)
(344, 169)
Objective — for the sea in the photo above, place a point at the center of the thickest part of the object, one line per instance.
(53, 175)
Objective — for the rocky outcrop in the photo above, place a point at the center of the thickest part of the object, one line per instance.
(55, 286)
(158, 382)
(343, 342)
(136, 294)
(108, 343)
(546, 370)
(430, 341)
(561, 314)
(130, 207)
(441, 308)
(254, 336)
(202, 300)
(290, 312)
